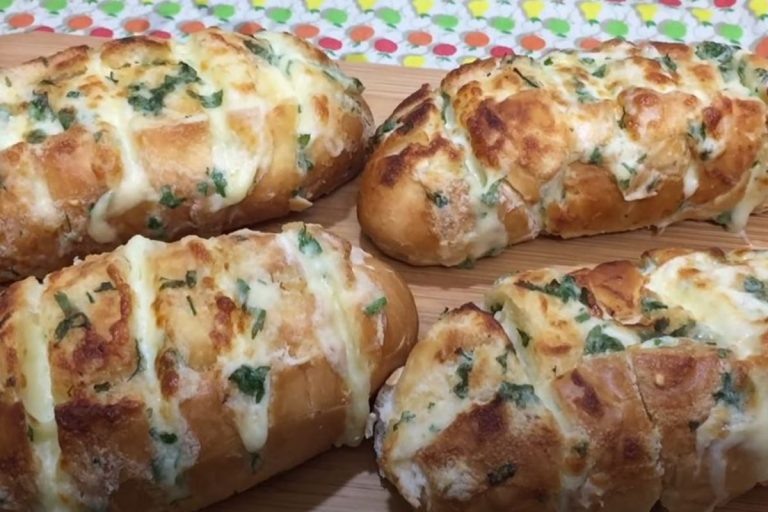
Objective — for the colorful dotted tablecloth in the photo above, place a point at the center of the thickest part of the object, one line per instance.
(417, 33)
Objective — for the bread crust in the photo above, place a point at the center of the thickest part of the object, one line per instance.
(165, 139)
(621, 137)
(167, 364)
(619, 386)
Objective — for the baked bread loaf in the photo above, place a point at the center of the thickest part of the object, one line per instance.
(166, 138)
(591, 389)
(574, 143)
(169, 376)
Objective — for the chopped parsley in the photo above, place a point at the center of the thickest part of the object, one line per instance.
(446, 105)
(581, 448)
(35, 136)
(191, 305)
(243, 289)
(668, 63)
(262, 49)
(168, 198)
(683, 330)
(724, 219)
(375, 307)
(307, 243)
(39, 109)
(190, 280)
(720, 53)
(385, 128)
(583, 317)
(438, 199)
(502, 360)
(525, 79)
(152, 101)
(259, 317)
(600, 72)
(139, 360)
(565, 290)
(212, 100)
(111, 77)
(491, 196)
(202, 188)
(102, 387)
(623, 119)
(250, 380)
(219, 182)
(728, 393)
(104, 286)
(548, 61)
(90, 297)
(304, 139)
(462, 371)
(521, 395)
(255, 461)
(405, 417)
(648, 304)
(596, 157)
(154, 223)
(31, 437)
(73, 317)
(598, 342)
(73, 94)
(66, 117)
(525, 338)
(582, 94)
(8, 82)
(304, 163)
(756, 287)
(693, 425)
(501, 474)
(163, 437)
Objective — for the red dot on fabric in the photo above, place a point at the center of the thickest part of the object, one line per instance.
(249, 28)
(385, 46)
(329, 43)
(160, 34)
(102, 32)
(44, 28)
(762, 47)
(589, 43)
(444, 50)
(501, 51)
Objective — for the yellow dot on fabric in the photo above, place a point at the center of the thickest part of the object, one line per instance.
(414, 61)
(356, 57)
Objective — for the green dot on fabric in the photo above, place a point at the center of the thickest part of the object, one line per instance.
(674, 29)
(336, 16)
(4, 4)
(446, 21)
(389, 16)
(504, 25)
(113, 7)
(616, 28)
(54, 6)
(224, 11)
(168, 9)
(731, 32)
(280, 14)
(558, 26)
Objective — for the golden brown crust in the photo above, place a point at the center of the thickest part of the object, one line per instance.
(574, 143)
(242, 355)
(636, 384)
(102, 144)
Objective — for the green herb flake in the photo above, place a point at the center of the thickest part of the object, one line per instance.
(693, 425)
(375, 307)
(430, 406)
(683, 330)
(30, 436)
(581, 448)
(565, 290)
(8, 82)
(104, 286)
(259, 317)
(405, 417)
(668, 63)
(582, 94)
(163, 437)
(190, 278)
(490, 197)
(521, 395)
(501, 474)
(212, 100)
(728, 393)
(525, 338)
(438, 199)
(262, 49)
(90, 297)
(598, 342)
(548, 61)
(73, 317)
(622, 122)
(583, 317)
(202, 188)
(154, 223)
(307, 243)
(600, 72)
(525, 79)
(152, 101)
(304, 162)
(73, 94)
(250, 380)
(756, 287)
(35, 136)
(446, 105)
(219, 182)
(66, 117)
(38, 108)
(243, 289)
(462, 371)
(111, 77)
(303, 140)
(191, 305)
(502, 360)
(102, 387)
(385, 128)
(140, 365)
(720, 53)
(596, 157)
(648, 304)
(724, 219)
(169, 199)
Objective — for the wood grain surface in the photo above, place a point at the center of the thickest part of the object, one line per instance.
(346, 479)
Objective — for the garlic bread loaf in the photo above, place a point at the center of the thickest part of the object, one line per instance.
(170, 376)
(166, 138)
(618, 387)
(570, 144)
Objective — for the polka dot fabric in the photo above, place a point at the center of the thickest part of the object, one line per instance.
(414, 33)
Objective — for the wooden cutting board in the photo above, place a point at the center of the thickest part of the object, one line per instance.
(346, 479)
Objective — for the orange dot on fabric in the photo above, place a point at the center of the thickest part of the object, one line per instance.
(21, 20)
(79, 22)
(190, 27)
(249, 28)
(420, 38)
(532, 42)
(136, 26)
(361, 33)
(762, 47)
(306, 31)
(477, 39)
(589, 43)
